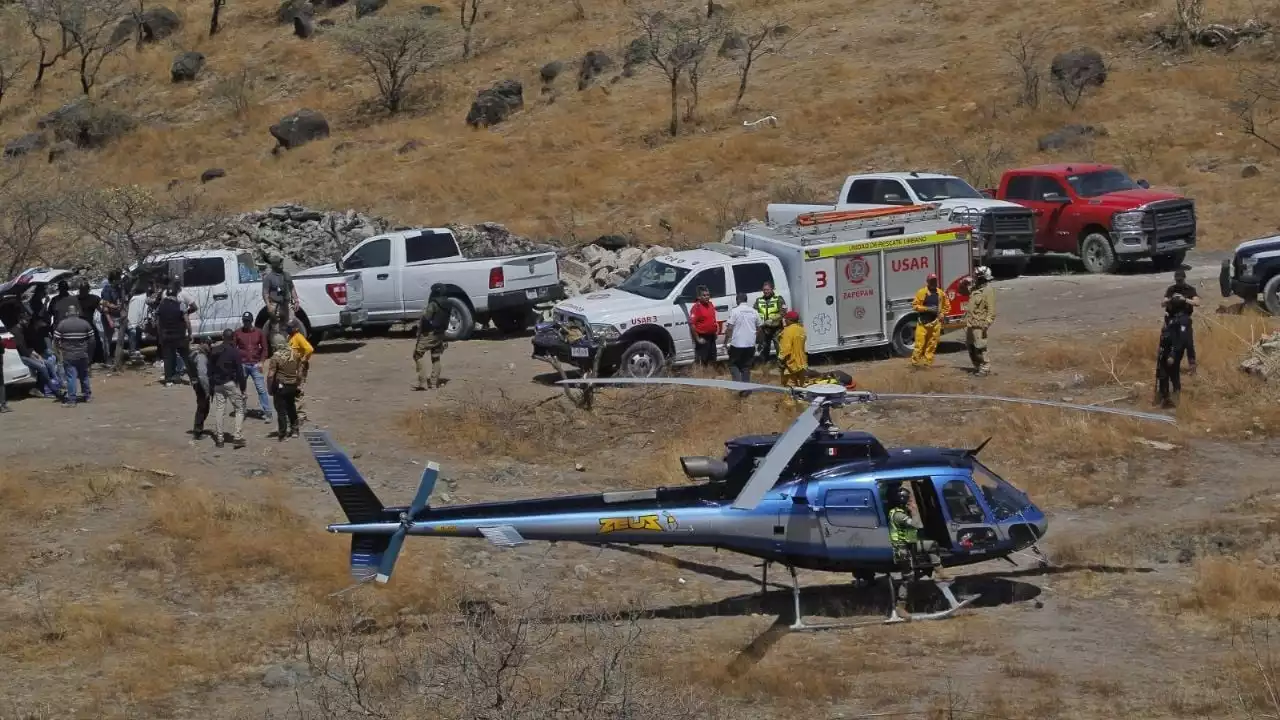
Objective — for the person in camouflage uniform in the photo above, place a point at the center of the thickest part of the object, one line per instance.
(431, 338)
(979, 315)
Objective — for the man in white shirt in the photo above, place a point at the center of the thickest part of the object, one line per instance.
(740, 334)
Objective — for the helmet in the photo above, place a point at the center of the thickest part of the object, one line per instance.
(983, 273)
(900, 495)
(932, 276)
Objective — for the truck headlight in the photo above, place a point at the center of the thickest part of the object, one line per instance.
(1130, 220)
(1247, 265)
(604, 331)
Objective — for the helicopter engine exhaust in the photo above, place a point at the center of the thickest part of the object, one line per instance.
(702, 467)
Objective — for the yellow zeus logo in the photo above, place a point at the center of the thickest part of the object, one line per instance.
(619, 524)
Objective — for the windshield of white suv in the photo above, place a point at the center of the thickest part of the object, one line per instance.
(934, 189)
(654, 280)
(1093, 184)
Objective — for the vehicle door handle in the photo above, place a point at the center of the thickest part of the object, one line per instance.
(382, 276)
(220, 296)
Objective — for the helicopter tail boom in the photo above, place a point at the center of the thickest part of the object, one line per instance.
(355, 496)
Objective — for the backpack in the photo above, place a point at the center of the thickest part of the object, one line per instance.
(169, 316)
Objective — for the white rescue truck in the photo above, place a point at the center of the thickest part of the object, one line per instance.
(852, 276)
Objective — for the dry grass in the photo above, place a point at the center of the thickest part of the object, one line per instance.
(1233, 589)
(595, 161)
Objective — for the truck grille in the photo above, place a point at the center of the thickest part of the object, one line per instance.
(1013, 224)
(1171, 221)
(1009, 229)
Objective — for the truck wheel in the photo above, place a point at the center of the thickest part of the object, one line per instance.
(461, 322)
(642, 359)
(512, 322)
(904, 337)
(1097, 254)
(1172, 261)
(1271, 295)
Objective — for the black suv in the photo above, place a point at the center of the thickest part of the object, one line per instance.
(1254, 269)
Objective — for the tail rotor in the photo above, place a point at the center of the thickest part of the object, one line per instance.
(425, 487)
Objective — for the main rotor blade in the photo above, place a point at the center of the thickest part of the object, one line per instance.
(1156, 417)
(691, 382)
(389, 556)
(779, 455)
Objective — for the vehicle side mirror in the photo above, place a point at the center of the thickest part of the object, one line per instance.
(337, 263)
(1056, 198)
(1144, 184)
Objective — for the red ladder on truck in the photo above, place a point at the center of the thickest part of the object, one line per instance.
(840, 221)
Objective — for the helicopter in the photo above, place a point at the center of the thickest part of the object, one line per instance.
(813, 497)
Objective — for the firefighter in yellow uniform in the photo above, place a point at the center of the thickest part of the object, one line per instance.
(931, 306)
(791, 352)
(979, 315)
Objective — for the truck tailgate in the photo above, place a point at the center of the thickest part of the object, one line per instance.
(355, 291)
(526, 272)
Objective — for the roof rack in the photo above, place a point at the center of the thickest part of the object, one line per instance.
(840, 220)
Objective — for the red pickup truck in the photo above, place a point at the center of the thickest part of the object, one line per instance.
(1100, 214)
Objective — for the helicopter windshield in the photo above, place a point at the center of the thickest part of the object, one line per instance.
(1005, 500)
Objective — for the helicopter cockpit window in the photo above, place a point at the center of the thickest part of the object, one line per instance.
(1005, 500)
(961, 503)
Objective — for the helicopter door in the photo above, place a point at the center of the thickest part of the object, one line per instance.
(968, 525)
(853, 526)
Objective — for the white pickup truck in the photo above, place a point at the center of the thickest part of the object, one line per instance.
(398, 269)
(225, 284)
(1004, 232)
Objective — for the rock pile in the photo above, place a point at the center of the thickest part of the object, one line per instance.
(306, 238)
(593, 267)
(1263, 359)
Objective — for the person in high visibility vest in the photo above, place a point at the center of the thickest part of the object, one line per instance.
(931, 306)
(791, 353)
(770, 307)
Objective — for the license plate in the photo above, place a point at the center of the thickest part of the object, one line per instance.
(1010, 252)
(578, 352)
(531, 294)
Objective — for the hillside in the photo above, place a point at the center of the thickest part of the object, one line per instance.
(876, 85)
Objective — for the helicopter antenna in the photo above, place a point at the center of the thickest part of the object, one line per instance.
(974, 452)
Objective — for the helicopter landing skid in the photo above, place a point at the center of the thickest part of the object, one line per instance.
(894, 618)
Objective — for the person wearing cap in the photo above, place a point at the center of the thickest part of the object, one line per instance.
(791, 353)
(252, 344)
(931, 306)
(73, 339)
(981, 312)
(1188, 292)
(432, 325)
(1173, 342)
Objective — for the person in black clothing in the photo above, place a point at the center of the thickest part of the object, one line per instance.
(1192, 301)
(88, 304)
(60, 303)
(173, 334)
(1173, 342)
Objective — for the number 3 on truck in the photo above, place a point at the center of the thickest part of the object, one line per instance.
(820, 278)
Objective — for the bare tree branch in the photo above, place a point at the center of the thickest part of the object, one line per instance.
(1258, 105)
(675, 46)
(468, 13)
(1027, 50)
(25, 214)
(44, 23)
(770, 36)
(394, 50)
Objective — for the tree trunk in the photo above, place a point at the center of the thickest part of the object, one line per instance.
(674, 129)
(213, 19)
(742, 83)
(466, 44)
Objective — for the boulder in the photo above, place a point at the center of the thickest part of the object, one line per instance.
(158, 23)
(61, 150)
(212, 174)
(289, 9)
(186, 66)
(495, 104)
(551, 71)
(299, 128)
(1079, 68)
(285, 676)
(612, 242)
(304, 26)
(1069, 136)
(493, 240)
(368, 7)
(429, 10)
(25, 145)
(734, 43)
(593, 64)
(637, 54)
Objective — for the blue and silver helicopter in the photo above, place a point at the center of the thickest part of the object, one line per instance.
(813, 497)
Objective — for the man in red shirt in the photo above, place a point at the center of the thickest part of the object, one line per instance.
(703, 325)
(252, 345)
